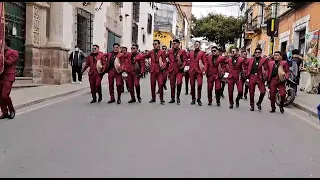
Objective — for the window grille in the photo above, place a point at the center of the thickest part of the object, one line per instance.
(84, 30)
(134, 33)
(136, 11)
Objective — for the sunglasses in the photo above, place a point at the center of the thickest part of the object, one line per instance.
(155, 44)
(133, 48)
(233, 51)
(214, 50)
(93, 49)
(257, 52)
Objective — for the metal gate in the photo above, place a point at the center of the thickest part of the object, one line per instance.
(15, 17)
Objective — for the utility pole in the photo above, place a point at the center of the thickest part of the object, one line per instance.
(273, 28)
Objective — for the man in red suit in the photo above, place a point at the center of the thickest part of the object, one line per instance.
(122, 56)
(112, 73)
(215, 72)
(234, 68)
(95, 76)
(257, 72)
(7, 77)
(135, 67)
(157, 70)
(164, 47)
(196, 71)
(177, 58)
(186, 75)
(244, 55)
(274, 80)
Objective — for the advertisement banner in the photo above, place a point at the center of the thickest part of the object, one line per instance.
(2, 36)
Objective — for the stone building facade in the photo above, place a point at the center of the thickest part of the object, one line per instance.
(49, 30)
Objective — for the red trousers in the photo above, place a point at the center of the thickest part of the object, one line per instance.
(231, 82)
(175, 78)
(95, 82)
(253, 81)
(5, 100)
(113, 75)
(274, 85)
(186, 79)
(154, 78)
(133, 81)
(213, 82)
(193, 76)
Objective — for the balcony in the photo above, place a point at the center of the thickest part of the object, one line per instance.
(296, 5)
(163, 26)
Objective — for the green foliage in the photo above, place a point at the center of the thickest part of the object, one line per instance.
(231, 46)
(218, 28)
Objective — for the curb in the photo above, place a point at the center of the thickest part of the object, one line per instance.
(305, 109)
(48, 98)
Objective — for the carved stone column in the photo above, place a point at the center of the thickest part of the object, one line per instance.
(56, 24)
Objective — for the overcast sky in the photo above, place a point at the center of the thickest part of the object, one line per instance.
(204, 8)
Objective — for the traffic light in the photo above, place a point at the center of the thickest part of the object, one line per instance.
(272, 27)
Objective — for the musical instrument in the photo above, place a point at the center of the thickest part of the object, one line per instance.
(281, 73)
(117, 65)
(2, 36)
(124, 75)
(99, 66)
(186, 68)
(247, 82)
(263, 76)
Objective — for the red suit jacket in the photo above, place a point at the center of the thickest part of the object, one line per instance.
(108, 58)
(154, 66)
(213, 69)
(92, 63)
(194, 62)
(11, 57)
(285, 66)
(234, 71)
(174, 66)
(263, 61)
(130, 67)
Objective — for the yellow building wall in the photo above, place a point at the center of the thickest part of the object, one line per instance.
(163, 37)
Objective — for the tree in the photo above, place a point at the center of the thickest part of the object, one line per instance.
(218, 28)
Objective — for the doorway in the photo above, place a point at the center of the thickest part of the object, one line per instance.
(302, 41)
(15, 20)
(283, 48)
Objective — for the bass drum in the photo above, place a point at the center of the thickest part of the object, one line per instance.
(291, 95)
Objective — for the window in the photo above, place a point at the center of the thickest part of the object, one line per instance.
(112, 38)
(134, 33)
(136, 11)
(284, 46)
(149, 28)
(84, 30)
(144, 38)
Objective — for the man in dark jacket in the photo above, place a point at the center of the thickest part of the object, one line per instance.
(76, 59)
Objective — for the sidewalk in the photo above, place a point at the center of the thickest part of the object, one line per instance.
(29, 96)
(307, 102)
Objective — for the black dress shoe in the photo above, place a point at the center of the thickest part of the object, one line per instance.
(111, 101)
(132, 101)
(193, 102)
(119, 101)
(93, 101)
(186, 93)
(139, 99)
(12, 115)
(199, 102)
(172, 101)
(281, 110)
(3, 116)
(209, 103)
(245, 97)
(273, 110)
(100, 99)
(218, 104)
(178, 101)
(259, 106)
(231, 106)
(237, 104)
(251, 108)
(152, 101)
(162, 102)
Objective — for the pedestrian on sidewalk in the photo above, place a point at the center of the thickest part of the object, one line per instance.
(7, 77)
(76, 59)
(95, 75)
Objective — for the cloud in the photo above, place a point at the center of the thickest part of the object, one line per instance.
(204, 8)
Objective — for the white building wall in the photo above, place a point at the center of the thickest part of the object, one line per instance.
(145, 9)
(99, 22)
(174, 23)
(68, 22)
(127, 24)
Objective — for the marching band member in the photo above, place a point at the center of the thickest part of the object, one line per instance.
(198, 64)
(244, 55)
(215, 72)
(157, 70)
(257, 72)
(164, 47)
(234, 68)
(278, 73)
(135, 67)
(223, 83)
(112, 73)
(7, 77)
(186, 74)
(96, 61)
(177, 58)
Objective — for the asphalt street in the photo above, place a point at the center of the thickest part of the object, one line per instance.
(73, 138)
